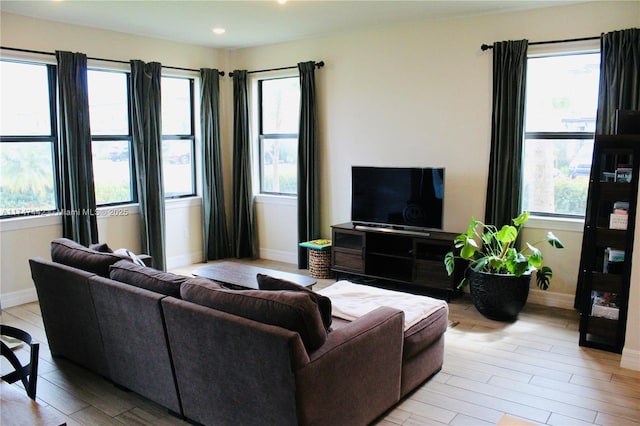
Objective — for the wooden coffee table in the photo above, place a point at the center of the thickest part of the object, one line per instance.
(242, 276)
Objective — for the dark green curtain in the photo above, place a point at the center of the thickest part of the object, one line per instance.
(245, 238)
(507, 126)
(619, 77)
(216, 238)
(75, 172)
(308, 180)
(146, 127)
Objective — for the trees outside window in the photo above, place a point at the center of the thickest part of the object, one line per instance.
(178, 140)
(27, 138)
(279, 106)
(111, 137)
(560, 115)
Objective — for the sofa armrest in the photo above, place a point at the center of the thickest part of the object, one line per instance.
(356, 374)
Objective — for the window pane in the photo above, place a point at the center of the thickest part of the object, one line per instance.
(26, 178)
(177, 167)
(176, 106)
(280, 105)
(112, 171)
(279, 158)
(556, 175)
(108, 108)
(25, 99)
(562, 93)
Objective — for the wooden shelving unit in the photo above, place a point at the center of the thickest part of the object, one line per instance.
(605, 263)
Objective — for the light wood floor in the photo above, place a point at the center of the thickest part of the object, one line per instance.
(532, 369)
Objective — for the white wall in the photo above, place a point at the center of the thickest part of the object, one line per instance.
(420, 95)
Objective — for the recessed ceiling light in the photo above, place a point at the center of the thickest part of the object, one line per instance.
(219, 30)
(282, 1)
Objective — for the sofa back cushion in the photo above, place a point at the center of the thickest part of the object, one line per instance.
(206, 282)
(148, 278)
(294, 311)
(267, 282)
(70, 253)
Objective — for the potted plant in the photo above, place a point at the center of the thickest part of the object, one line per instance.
(498, 273)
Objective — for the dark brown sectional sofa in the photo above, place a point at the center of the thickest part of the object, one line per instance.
(217, 356)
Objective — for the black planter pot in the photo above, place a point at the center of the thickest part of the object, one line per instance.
(497, 296)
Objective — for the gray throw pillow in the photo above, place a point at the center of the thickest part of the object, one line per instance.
(292, 310)
(267, 282)
(70, 253)
(101, 247)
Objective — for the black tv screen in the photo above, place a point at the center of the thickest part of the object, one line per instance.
(397, 196)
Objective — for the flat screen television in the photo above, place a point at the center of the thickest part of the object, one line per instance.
(400, 197)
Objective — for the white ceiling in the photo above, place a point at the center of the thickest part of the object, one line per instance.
(251, 23)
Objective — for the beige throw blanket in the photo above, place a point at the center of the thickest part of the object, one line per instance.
(350, 301)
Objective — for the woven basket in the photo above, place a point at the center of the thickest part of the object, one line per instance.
(320, 263)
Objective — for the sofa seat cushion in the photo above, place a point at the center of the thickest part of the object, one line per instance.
(293, 310)
(267, 282)
(351, 301)
(418, 337)
(70, 253)
(425, 317)
(421, 335)
(148, 278)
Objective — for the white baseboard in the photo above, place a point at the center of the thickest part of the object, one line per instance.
(279, 255)
(19, 297)
(184, 260)
(630, 359)
(547, 298)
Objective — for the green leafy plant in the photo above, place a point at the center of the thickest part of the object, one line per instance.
(492, 250)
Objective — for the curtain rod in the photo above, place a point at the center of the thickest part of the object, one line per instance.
(14, 49)
(487, 46)
(318, 64)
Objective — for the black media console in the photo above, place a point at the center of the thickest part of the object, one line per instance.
(405, 260)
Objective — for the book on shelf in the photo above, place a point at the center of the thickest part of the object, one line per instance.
(614, 255)
(623, 174)
(618, 221)
(604, 305)
(613, 261)
(621, 206)
(619, 217)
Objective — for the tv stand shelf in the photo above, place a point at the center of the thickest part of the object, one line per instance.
(402, 259)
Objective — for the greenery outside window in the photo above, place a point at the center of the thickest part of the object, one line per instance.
(28, 135)
(178, 140)
(279, 105)
(561, 104)
(111, 137)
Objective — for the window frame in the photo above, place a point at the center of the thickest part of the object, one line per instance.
(261, 136)
(554, 136)
(51, 138)
(191, 136)
(129, 138)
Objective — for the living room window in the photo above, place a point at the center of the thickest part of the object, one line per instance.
(279, 106)
(178, 140)
(111, 137)
(560, 115)
(28, 134)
